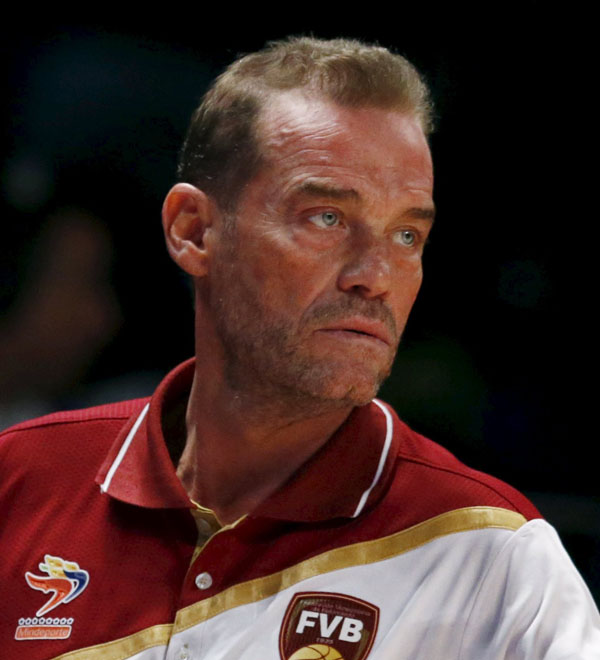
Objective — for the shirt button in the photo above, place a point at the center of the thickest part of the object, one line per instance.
(204, 580)
(183, 653)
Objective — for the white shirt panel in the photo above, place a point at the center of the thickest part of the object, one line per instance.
(424, 597)
(533, 604)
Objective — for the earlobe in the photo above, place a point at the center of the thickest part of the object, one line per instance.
(187, 217)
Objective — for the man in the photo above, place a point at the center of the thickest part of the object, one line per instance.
(321, 526)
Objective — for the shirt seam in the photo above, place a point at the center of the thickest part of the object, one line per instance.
(61, 422)
(482, 582)
(457, 473)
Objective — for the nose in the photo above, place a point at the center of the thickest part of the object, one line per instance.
(368, 271)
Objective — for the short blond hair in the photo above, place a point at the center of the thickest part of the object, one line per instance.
(221, 152)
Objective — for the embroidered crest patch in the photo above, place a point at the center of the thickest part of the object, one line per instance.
(327, 626)
(66, 581)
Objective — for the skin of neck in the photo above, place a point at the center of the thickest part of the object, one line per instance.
(242, 444)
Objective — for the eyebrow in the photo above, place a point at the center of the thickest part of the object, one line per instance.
(313, 189)
(421, 213)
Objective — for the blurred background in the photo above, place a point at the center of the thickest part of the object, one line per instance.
(496, 357)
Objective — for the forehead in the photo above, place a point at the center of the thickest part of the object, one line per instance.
(303, 136)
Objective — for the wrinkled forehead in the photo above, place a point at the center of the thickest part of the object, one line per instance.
(298, 129)
(285, 112)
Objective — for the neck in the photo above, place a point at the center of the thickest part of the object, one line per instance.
(241, 447)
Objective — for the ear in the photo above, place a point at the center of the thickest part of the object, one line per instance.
(188, 215)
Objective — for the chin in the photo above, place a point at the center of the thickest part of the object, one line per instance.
(347, 389)
(359, 394)
(350, 379)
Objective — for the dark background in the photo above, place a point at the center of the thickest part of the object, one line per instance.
(497, 359)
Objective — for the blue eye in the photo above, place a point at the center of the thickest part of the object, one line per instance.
(325, 219)
(406, 237)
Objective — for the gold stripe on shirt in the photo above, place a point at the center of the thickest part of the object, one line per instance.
(120, 649)
(367, 552)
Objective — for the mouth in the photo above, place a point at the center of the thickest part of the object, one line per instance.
(360, 329)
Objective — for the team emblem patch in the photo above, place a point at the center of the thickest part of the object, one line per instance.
(324, 626)
(65, 581)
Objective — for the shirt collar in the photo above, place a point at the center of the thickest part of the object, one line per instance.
(344, 478)
(138, 468)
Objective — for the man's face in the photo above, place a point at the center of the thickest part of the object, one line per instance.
(312, 286)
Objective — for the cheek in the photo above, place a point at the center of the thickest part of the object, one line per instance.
(288, 277)
(406, 290)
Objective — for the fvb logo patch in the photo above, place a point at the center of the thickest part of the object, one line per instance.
(66, 581)
(326, 626)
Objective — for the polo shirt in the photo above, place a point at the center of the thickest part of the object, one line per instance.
(382, 545)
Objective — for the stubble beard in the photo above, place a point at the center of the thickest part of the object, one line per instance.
(267, 362)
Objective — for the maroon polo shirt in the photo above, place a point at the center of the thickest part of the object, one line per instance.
(91, 501)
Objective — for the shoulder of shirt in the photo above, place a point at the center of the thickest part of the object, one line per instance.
(56, 422)
(432, 481)
(70, 444)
